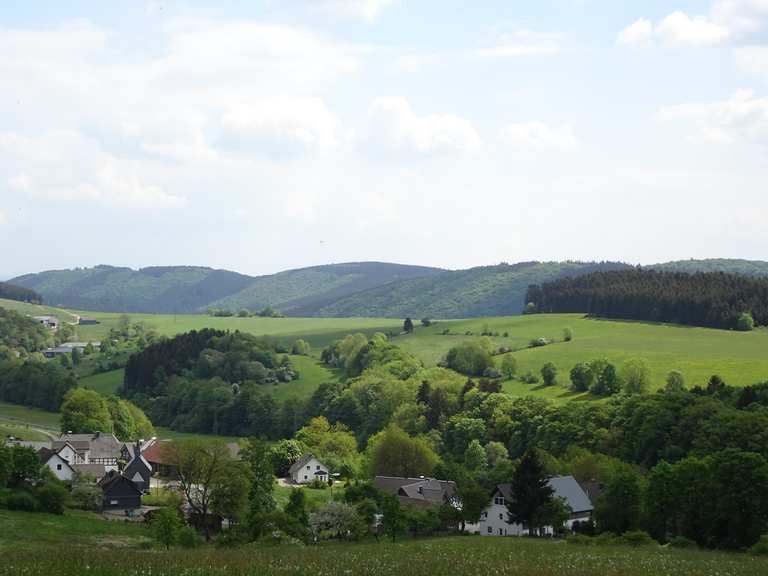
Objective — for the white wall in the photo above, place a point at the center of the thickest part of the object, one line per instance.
(59, 467)
(306, 473)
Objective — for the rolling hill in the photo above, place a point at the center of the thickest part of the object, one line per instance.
(189, 289)
(485, 291)
(362, 289)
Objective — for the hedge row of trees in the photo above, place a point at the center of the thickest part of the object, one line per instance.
(716, 300)
(35, 383)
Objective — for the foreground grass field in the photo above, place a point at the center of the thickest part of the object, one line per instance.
(81, 543)
(740, 358)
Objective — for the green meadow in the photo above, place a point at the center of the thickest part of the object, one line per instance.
(740, 358)
(81, 543)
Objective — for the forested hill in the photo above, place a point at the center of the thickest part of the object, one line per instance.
(189, 289)
(20, 293)
(712, 299)
(484, 291)
(732, 266)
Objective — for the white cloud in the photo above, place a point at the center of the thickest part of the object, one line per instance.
(393, 125)
(304, 122)
(3, 218)
(680, 28)
(741, 118)
(726, 21)
(538, 136)
(638, 33)
(69, 166)
(516, 42)
(367, 10)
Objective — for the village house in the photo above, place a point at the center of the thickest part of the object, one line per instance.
(119, 492)
(420, 492)
(138, 470)
(307, 469)
(494, 520)
(57, 463)
(50, 322)
(94, 448)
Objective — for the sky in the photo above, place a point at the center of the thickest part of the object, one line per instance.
(264, 135)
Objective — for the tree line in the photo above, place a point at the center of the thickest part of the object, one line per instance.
(712, 299)
(19, 293)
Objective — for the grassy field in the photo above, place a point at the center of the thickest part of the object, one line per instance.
(105, 383)
(740, 358)
(318, 331)
(56, 546)
(315, 497)
(21, 431)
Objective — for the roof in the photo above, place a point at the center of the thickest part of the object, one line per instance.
(156, 453)
(301, 462)
(429, 490)
(564, 487)
(114, 478)
(98, 471)
(100, 444)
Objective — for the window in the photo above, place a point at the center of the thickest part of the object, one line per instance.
(58, 466)
(501, 533)
(308, 466)
(485, 514)
(317, 467)
(305, 476)
(490, 530)
(501, 516)
(499, 500)
(113, 501)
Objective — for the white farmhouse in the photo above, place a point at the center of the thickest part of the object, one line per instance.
(56, 463)
(307, 469)
(494, 519)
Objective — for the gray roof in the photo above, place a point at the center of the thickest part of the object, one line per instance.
(564, 487)
(426, 489)
(301, 462)
(95, 470)
(101, 445)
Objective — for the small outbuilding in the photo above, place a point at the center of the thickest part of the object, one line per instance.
(119, 492)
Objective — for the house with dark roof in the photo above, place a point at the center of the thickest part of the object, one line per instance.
(307, 469)
(138, 470)
(119, 492)
(420, 492)
(495, 520)
(94, 448)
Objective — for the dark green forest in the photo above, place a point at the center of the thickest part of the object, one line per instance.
(711, 299)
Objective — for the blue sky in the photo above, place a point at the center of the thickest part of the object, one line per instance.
(261, 136)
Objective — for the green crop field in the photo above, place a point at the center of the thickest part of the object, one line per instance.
(740, 358)
(55, 546)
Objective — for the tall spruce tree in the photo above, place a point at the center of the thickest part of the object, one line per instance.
(408, 325)
(530, 492)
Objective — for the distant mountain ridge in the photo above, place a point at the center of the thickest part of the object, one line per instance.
(374, 289)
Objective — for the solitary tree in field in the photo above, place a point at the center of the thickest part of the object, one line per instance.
(581, 377)
(549, 374)
(509, 366)
(635, 376)
(531, 493)
(166, 525)
(408, 326)
(567, 334)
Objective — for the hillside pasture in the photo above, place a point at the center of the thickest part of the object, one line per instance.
(105, 383)
(740, 358)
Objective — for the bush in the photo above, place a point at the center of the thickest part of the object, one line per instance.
(188, 538)
(537, 342)
(581, 539)
(52, 498)
(745, 323)
(530, 378)
(761, 547)
(22, 501)
(605, 539)
(637, 538)
(682, 542)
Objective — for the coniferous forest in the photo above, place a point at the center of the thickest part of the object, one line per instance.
(714, 300)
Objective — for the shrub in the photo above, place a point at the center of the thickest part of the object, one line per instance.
(22, 501)
(530, 378)
(637, 538)
(745, 323)
(581, 539)
(567, 334)
(52, 497)
(537, 342)
(761, 547)
(188, 538)
(682, 542)
(605, 538)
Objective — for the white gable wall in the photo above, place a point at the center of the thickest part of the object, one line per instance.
(308, 472)
(59, 467)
